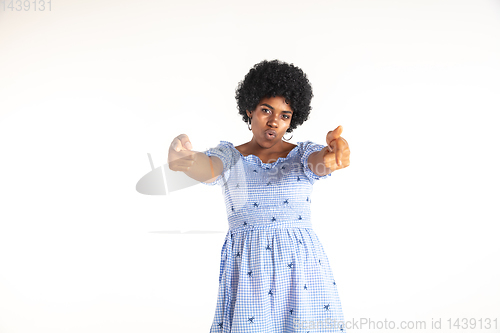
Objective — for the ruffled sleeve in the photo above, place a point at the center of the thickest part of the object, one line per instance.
(308, 148)
(225, 152)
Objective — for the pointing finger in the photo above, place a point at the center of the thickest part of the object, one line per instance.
(333, 135)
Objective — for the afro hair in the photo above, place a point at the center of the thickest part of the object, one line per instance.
(276, 78)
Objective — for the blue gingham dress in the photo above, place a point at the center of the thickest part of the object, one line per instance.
(274, 274)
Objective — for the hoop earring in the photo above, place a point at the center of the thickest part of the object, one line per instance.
(287, 139)
(249, 124)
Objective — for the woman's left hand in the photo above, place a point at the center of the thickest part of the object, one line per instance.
(337, 154)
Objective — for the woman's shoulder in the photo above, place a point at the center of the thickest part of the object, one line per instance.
(304, 145)
(224, 147)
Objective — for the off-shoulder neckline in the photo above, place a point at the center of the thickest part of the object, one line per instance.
(256, 160)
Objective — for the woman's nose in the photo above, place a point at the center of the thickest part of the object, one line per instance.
(273, 121)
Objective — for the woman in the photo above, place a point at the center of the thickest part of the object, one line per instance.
(274, 273)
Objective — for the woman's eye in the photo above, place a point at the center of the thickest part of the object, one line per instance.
(265, 110)
(286, 116)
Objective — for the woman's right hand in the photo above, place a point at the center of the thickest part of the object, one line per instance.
(180, 155)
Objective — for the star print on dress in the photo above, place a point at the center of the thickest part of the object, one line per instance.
(254, 193)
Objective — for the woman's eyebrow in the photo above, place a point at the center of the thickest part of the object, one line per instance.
(269, 106)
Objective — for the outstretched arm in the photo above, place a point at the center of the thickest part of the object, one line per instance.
(333, 157)
(194, 164)
(316, 162)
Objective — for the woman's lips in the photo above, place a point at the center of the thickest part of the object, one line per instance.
(270, 134)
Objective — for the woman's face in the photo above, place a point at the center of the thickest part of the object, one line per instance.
(270, 120)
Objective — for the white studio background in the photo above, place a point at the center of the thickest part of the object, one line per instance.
(89, 88)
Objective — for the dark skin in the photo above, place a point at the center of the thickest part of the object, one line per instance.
(274, 115)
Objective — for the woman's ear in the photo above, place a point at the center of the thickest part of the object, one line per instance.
(249, 114)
